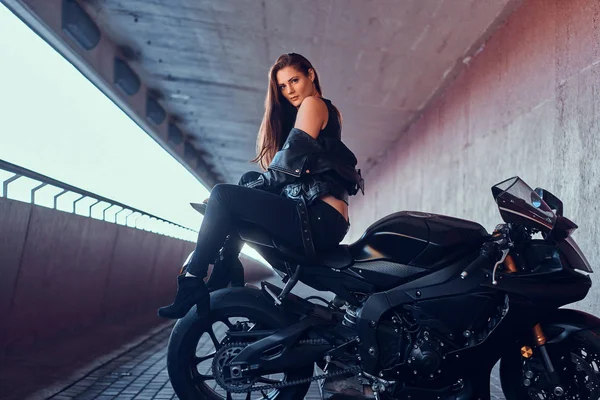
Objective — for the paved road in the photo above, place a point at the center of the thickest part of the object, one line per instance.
(141, 373)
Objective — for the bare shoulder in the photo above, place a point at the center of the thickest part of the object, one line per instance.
(313, 101)
(311, 116)
(313, 104)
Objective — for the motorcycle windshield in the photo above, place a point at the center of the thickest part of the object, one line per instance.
(520, 204)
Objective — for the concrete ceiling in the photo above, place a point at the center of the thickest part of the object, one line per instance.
(381, 61)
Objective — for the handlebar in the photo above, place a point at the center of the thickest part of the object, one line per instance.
(490, 253)
(482, 261)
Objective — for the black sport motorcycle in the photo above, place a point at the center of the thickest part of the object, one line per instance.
(425, 305)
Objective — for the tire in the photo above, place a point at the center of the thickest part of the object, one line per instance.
(565, 355)
(225, 304)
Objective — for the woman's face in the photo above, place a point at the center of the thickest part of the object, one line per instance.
(294, 85)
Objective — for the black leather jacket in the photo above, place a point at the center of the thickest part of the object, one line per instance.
(307, 168)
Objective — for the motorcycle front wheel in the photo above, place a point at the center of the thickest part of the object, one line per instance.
(576, 360)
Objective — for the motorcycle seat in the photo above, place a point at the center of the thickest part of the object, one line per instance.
(337, 257)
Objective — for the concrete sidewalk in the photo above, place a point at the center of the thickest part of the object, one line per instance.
(140, 373)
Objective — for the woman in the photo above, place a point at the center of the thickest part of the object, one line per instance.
(308, 176)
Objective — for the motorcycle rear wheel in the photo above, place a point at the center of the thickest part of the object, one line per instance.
(576, 359)
(193, 343)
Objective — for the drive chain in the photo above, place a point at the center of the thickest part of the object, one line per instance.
(280, 385)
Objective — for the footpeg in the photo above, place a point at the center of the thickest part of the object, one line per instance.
(272, 295)
(290, 282)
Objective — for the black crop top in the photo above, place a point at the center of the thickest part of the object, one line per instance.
(333, 129)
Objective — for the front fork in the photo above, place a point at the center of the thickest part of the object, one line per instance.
(540, 342)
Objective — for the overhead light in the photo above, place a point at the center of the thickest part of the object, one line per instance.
(180, 96)
(125, 78)
(79, 26)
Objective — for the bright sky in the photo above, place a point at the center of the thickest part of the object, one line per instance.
(55, 122)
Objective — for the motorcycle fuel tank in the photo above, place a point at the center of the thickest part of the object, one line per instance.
(418, 239)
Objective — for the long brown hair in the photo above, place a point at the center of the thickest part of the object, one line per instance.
(280, 114)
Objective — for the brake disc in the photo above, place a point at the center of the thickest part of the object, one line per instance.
(584, 378)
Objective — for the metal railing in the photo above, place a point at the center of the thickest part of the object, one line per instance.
(134, 218)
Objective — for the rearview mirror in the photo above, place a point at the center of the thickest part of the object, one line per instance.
(553, 202)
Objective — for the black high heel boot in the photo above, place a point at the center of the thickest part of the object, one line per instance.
(219, 278)
(227, 269)
(237, 273)
(190, 290)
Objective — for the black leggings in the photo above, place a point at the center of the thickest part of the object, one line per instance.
(229, 204)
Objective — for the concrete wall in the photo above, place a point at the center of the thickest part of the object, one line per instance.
(527, 105)
(62, 273)
(74, 288)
